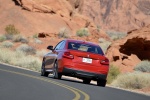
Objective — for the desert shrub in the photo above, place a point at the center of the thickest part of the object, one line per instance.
(26, 49)
(2, 38)
(104, 44)
(5, 55)
(7, 44)
(20, 59)
(82, 32)
(116, 35)
(143, 66)
(113, 73)
(41, 53)
(98, 28)
(35, 36)
(19, 38)
(64, 33)
(135, 80)
(29, 62)
(10, 31)
(38, 41)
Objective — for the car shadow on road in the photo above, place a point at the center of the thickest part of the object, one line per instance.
(74, 80)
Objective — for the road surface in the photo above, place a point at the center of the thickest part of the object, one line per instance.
(20, 84)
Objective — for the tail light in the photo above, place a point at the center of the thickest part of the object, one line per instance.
(68, 55)
(105, 61)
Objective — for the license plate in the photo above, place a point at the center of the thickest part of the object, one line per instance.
(87, 60)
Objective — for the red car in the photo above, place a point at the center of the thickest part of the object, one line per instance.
(84, 60)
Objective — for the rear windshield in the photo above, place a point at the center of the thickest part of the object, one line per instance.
(85, 47)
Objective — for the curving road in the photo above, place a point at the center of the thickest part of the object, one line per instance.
(19, 84)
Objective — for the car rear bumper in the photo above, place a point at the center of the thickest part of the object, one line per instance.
(83, 74)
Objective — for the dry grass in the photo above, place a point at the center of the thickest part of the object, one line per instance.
(20, 59)
(104, 44)
(83, 32)
(26, 49)
(143, 66)
(7, 44)
(113, 73)
(41, 53)
(37, 41)
(135, 80)
(2, 38)
(19, 38)
(64, 33)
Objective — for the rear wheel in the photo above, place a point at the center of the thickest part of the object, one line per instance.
(86, 81)
(101, 83)
(43, 72)
(55, 73)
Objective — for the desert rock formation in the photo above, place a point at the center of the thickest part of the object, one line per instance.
(119, 15)
(127, 52)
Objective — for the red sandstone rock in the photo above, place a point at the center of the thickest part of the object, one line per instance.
(131, 50)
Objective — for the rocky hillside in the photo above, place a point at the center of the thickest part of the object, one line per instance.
(48, 16)
(34, 16)
(119, 15)
(129, 51)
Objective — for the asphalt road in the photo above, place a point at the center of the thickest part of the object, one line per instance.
(19, 84)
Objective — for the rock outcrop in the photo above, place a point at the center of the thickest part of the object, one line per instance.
(48, 16)
(119, 15)
(127, 52)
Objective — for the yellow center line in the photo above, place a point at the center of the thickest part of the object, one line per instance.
(74, 90)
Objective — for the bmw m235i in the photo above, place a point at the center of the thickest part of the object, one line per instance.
(76, 58)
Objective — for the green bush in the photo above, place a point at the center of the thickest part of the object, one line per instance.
(26, 49)
(83, 32)
(135, 80)
(113, 73)
(63, 33)
(143, 66)
(2, 38)
(116, 35)
(7, 44)
(10, 31)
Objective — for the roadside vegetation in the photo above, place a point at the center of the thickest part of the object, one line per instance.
(22, 55)
(19, 58)
(7, 44)
(138, 79)
(135, 80)
(113, 73)
(143, 66)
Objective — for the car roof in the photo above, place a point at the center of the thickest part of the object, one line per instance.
(73, 40)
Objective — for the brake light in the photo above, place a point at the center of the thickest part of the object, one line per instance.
(105, 61)
(68, 55)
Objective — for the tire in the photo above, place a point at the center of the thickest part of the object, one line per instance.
(56, 74)
(43, 72)
(101, 83)
(86, 81)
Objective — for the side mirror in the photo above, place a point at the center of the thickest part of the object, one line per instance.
(50, 47)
